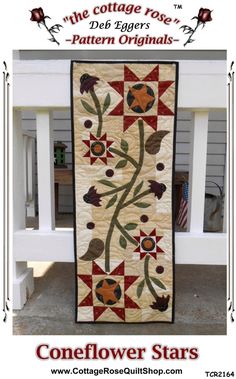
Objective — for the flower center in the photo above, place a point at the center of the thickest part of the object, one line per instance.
(97, 148)
(148, 244)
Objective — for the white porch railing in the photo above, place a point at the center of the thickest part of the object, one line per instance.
(29, 172)
(44, 86)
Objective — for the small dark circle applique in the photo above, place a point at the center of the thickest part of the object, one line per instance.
(109, 173)
(160, 166)
(144, 218)
(90, 225)
(160, 269)
(88, 124)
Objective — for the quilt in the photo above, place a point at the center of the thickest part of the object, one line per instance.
(123, 116)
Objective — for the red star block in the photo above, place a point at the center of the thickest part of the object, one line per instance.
(130, 76)
(148, 244)
(98, 148)
(128, 282)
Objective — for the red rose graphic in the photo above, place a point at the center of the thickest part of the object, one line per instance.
(204, 15)
(37, 15)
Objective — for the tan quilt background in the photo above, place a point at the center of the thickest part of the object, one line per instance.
(123, 142)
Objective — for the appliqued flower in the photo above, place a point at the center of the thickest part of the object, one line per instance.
(98, 148)
(157, 188)
(87, 83)
(92, 197)
(148, 244)
(161, 303)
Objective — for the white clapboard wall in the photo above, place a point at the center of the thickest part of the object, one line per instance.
(216, 153)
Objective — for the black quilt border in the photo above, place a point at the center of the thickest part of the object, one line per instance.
(176, 63)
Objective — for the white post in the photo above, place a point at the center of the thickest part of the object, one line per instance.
(31, 177)
(23, 284)
(197, 170)
(25, 174)
(45, 164)
(225, 189)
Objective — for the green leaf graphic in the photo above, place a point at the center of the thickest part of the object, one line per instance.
(111, 201)
(123, 242)
(107, 102)
(158, 283)
(121, 163)
(142, 205)
(138, 188)
(107, 183)
(140, 288)
(124, 146)
(88, 107)
(131, 226)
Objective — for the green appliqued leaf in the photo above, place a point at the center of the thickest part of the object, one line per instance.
(111, 201)
(123, 242)
(88, 107)
(158, 283)
(138, 188)
(131, 226)
(107, 183)
(142, 205)
(121, 163)
(140, 288)
(107, 102)
(124, 146)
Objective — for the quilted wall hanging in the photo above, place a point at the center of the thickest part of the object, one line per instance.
(124, 116)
